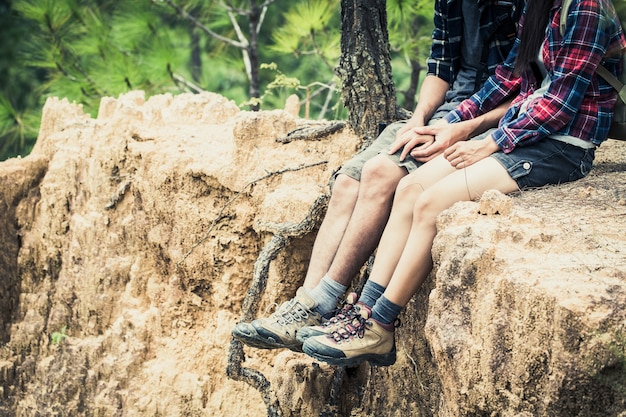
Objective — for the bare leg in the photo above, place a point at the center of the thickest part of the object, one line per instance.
(404, 270)
(379, 180)
(397, 231)
(332, 229)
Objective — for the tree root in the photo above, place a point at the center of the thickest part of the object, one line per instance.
(279, 240)
(236, 372)
(312, 132)
(283, 232)
(236, 357)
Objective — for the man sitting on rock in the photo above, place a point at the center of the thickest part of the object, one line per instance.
(364, 187)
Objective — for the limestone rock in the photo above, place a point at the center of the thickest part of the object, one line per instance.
(135, 232)
(128, 244)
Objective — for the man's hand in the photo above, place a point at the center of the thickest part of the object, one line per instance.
(443, 135)
(463, 154)
(408, 138)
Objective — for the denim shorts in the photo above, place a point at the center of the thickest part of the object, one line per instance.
(546, 162)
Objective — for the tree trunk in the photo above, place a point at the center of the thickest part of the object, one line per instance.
(368, 90)
(253, 52)
(195, 56)
(411, 92)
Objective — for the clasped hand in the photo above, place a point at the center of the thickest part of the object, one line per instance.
(422, 142)
(426, 142)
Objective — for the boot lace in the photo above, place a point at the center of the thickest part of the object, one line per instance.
(346, 313)
(292, 311)
(350, 330)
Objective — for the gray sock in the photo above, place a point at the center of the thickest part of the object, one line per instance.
(385, 311)
(327, 294)
(371, 293)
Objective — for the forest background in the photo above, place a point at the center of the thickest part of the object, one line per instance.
(256, 53)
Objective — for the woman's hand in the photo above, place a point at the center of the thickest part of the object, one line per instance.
(463, 154)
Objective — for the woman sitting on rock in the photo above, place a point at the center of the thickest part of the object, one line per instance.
(561, 112)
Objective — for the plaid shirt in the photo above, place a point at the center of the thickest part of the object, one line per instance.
(445, 53)
(578, 102)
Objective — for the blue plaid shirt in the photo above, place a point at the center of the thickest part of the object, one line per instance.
(445, 53)
(578, 102)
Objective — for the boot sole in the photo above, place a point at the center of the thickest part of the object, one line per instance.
(386, 359)
(302, 339)
(255, 340)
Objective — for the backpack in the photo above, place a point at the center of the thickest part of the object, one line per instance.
(618, 126)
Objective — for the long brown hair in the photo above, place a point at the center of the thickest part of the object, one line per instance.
(533, 33)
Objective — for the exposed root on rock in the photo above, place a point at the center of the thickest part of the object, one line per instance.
(250, 307)
(283, 232)
(309, 132)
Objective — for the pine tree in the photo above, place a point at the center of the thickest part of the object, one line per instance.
(255, 53)
(18, 103)
(410, 29)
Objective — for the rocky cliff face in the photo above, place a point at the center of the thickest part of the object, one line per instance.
(129, 243)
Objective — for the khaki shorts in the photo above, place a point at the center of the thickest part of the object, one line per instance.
(354, 166)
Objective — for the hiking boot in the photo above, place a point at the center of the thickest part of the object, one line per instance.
(279, 330)
(362, 339)
(346, 313)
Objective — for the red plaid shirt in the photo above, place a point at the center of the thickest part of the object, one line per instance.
(578, 102)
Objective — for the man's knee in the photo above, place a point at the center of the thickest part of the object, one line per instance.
(382, 174)
(345, 190)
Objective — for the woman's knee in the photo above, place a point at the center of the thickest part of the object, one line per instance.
(426, 207)
(407, 192)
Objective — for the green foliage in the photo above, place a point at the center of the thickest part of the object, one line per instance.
(410, 29)
(58, 337)
(19, 106)
(92, 49)
(306, 47)
(311, 28)
(86, 49)
(17, 128)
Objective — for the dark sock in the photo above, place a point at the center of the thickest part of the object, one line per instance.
(384, 311)
(371, 293)
(327, 294)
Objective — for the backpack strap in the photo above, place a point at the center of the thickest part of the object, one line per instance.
(600, 70)
(613, 81)
(487, 34)
(564, 12)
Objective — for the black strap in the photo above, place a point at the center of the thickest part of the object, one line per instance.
(488, 34)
